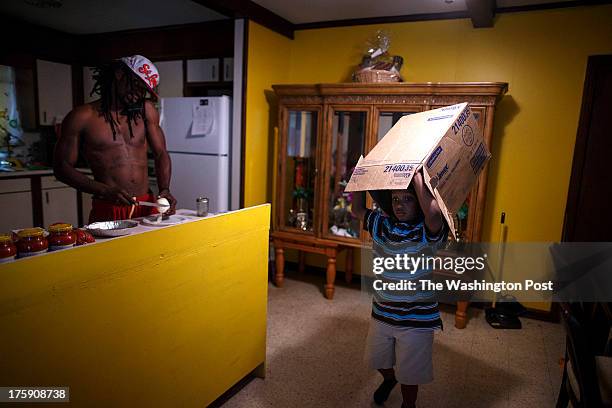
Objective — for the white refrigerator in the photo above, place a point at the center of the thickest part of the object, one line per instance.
(197, 134)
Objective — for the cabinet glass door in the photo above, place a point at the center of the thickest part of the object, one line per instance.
(348, 135)
(386, 120)
(299, 168)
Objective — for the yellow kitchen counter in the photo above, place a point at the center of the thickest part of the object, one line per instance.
(171, 317)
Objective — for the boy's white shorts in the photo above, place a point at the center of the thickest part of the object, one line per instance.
(407, 350)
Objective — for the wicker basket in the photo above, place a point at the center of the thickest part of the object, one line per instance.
(375, 76)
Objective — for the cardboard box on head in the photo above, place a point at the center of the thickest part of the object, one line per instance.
(446, 143)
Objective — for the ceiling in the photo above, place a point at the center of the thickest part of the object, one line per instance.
(100, 16)
(310, 11)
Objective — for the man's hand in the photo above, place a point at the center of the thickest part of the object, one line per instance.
(117, 195)
(165, 193)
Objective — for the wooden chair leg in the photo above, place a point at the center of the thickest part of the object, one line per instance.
(331, 277)
(461, 314)
(348, 270)
(302, 261)
(279, 276)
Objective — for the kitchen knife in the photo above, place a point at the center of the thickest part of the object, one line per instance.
(148, 204)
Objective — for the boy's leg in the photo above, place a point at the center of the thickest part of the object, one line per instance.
(387, 373)
(380, 355)
(414, 362)
(382, 392)
(409, 394)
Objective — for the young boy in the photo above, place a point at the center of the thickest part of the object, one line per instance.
(401, 331)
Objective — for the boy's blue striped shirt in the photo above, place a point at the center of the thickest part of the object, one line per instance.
(414, 309)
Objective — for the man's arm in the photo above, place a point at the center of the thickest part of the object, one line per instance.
(66, 155)
(163, 166)
(433, 215)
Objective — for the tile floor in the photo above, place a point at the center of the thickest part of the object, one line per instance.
(315, 357)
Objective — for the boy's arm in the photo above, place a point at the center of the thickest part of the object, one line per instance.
(433, 215)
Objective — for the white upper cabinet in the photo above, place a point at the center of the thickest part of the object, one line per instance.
(54, 91)
(228, 69)
(170, 78)
(203, 70)
(88, 83)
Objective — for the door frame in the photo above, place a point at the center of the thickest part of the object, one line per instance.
(594, 64)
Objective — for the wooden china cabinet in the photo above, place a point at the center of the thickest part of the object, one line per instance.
(323, 130)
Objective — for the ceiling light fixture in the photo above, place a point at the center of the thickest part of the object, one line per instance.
(45, 3)
(449, 1)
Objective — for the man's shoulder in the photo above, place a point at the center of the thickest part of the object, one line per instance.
(85, 110)
(149, 105)
(150, 110)
(81, 115)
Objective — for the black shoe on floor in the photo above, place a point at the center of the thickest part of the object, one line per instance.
(382, 392)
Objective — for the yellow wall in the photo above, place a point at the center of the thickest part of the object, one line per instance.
(268, 59)
(542, 55)
(167, 318)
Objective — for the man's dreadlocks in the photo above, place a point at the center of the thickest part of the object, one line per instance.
(105, 83)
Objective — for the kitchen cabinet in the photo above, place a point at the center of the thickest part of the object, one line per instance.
(25, 83)
(59, 202)
(88, 83)
(228, 69)
(37, 199)
(15, 204)
(203, 70)
(86, 204)
(171, 78)
(324, 129)
(54, 82)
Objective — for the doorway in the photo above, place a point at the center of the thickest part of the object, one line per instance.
(587, 216)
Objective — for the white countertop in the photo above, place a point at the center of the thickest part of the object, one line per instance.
(190, 216)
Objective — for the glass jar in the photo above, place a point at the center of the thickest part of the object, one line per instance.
(31, 242)
(8, 250)
(61, 236)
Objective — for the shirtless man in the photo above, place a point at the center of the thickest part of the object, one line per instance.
(113, 133)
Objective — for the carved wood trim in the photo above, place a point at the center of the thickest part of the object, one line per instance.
(301, 100)
(411, 99)
(398, 88)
